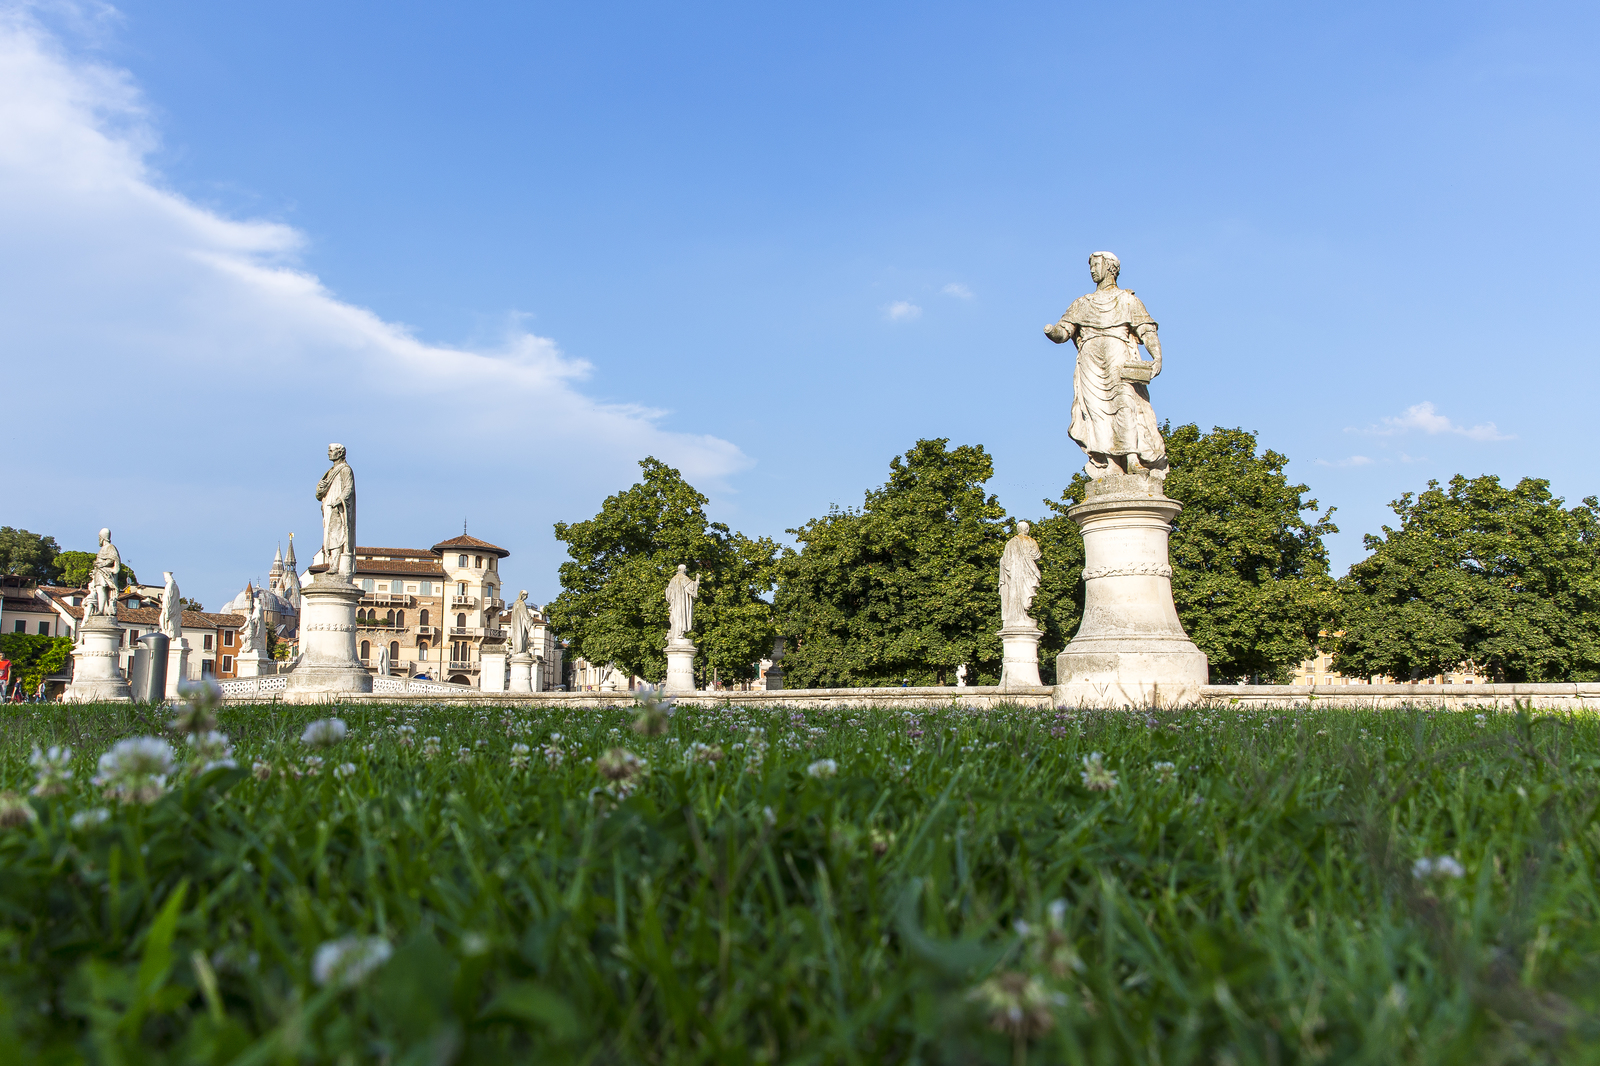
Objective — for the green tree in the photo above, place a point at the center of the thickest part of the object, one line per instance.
(1507, 579)
(904, 588)
(76, 566)
(1249, 573)
(34, 657)
(29, 555)
(612, 606)
(187, 604)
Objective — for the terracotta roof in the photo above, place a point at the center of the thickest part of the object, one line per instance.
(464, 541)
(28, 603)
(424, 552)
(393, 566)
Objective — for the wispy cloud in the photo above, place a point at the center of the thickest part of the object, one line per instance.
(958, 290)
(1425, 417)
(902, 311)
(1354, 460)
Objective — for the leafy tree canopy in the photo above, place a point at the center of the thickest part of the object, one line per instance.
(28, 555)
(612, 606)
(904, 588)
(34, 657)
(1504, 578)
(1249, 573)
(75, 568)
(187, 604)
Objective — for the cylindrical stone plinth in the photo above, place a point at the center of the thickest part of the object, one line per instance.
(1020, 668)
(680, 667)
(96, 678)
(327, 668)
(521, 673)
(177, 666)
(1131, 650)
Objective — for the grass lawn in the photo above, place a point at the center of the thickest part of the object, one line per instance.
(763, 887)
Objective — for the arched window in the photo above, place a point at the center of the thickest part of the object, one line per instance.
(366, 649)
(400, 619)
(461, 621)
(390, 616)
(394, 651)
(422, 650)
(424, 619)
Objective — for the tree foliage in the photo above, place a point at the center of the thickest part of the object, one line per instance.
(29, 555)
(75, 568)
(613, 608)
(904, 588)
(1249, 573)
(1507, 579)
(34, 656)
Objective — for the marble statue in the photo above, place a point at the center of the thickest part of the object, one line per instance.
(681, 593)
(521, 624)
(337, 491)
(1019, 577)
(1112, 419)
(253, 634)
(961, 676)
(171, 610)
(102, 598)
(383, 660)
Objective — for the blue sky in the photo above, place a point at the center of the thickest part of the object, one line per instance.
(502, 251)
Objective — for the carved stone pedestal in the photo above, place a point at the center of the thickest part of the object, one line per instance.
(680, 667)
(1021, 666)
(521, 672)
(1131, 650)
(258, 665)
(327, 668)
(177, 666)
(96, 677)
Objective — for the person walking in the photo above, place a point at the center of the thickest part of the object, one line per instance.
(5, 676)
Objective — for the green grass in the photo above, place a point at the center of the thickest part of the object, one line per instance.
(1256, 905)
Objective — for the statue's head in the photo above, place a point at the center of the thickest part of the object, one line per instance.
(105, 536)
(166, 575)
(1104, 265)
(335, 452)
(522, 595)
(1022, 529)
(683, 568)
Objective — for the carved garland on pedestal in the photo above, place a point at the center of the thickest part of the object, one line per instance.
(1151, 570)
(331, 627)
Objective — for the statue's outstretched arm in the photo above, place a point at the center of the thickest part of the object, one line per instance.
(1061, 332)
(1152, 344)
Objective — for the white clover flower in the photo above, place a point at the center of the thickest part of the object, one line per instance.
(1481, 720)
(1440, 868)
(344, 770)
(86, 819)
(430, 748)
(822, 768)
(698, 754)
(135, 770)
(519, 756)
(313, 765)
(211, 749)
(463, 755)
(1164, 771)
(261, 770)
(53, 770)
(769, 817)
(324, 733)
(1096, 778)
(348, 960)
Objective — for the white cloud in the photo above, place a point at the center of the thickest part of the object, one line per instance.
(157, 334)
(902, 311)
(958, 290)
(1426, 418)
(1354, 460)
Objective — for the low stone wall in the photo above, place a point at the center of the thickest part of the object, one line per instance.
(1569, 696)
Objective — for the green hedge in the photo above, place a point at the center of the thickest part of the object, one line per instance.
(33, 657)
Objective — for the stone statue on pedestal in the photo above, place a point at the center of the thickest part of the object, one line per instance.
(383, 660)
(681, 593)
(1112, 419)
(337, 491)
(253, 634)
(102, 598)
(521, 624)
(171, 610)
(1019, 577)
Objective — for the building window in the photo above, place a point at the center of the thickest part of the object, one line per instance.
(400, 619)
(208, 667)
(397, 586)
(22, 627)
(413, 588)
(390, 619)
(422, 650)
(227, 664)
(367, 584)
(461, 621)
(423, 621)
(461, 588)
(489, 592)
(394, 651)
(427, 588)
(227, 640)
(477, 561)
(207, 645)
(461, 560)
(44, 629)
(366, 649)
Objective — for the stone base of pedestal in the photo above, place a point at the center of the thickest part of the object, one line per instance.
(327, 668)
(1020, 668)
(492, 669)
(521, 673)
(254, 666)
(680, 668)
(1131, 650)
(177, 666)
(96, 677)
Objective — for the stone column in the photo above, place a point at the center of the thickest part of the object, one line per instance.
(177, 666)
(680, 667)
(1020, 668)
(96, 677)
(521, 672)
(492, 669)
(327, 668)
(1131, 650)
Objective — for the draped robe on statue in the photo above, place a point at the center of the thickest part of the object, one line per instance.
(1111, 416)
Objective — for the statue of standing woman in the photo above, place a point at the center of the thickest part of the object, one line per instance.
(337, 491)
(1112, 419)
(102, 598)
(521, 624)
(681, 593)
(1019, 577)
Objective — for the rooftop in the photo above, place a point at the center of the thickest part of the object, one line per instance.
(473, 543)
